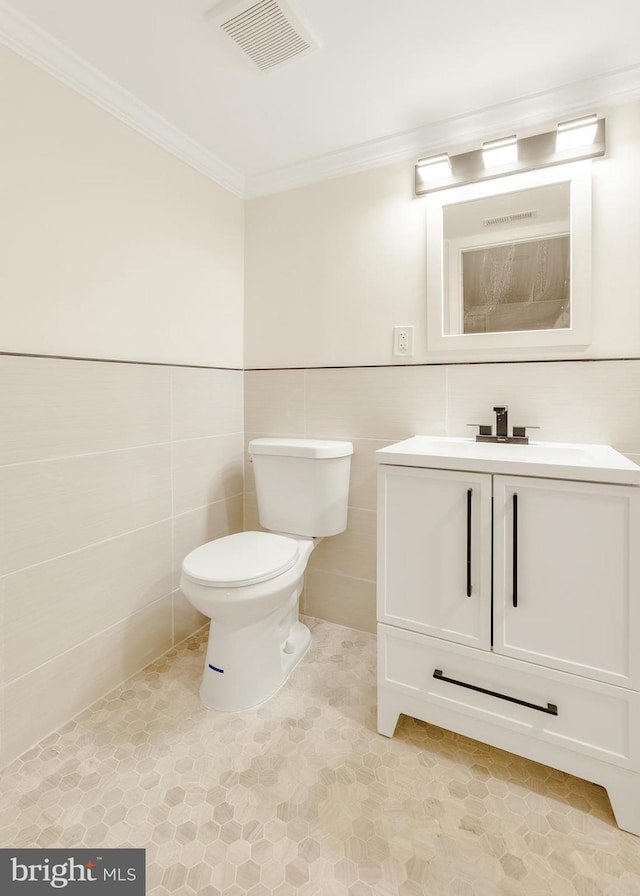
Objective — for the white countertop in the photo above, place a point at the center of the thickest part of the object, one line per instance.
(553, 460)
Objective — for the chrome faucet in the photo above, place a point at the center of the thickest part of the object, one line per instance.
(502, 431)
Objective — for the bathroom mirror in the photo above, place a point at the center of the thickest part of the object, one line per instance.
(509, 262)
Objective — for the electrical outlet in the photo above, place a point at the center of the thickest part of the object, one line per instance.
(403, 341)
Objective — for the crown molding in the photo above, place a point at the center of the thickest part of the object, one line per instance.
(20, 34)
(595, 94)
(571, 100)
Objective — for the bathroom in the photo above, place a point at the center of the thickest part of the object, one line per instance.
(157, 316)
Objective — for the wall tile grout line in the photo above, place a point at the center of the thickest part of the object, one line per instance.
(93, 637)
(58, 458)
(341, 575)
(170, 364)
(124, 534)
(440, 363)
(449, 362)
(88, 547)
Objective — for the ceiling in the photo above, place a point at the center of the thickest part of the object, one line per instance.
(391, 77)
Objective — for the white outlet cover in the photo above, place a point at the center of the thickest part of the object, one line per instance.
(403, 341)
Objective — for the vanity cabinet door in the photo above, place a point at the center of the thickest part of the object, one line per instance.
(566, 576)
(434, 553)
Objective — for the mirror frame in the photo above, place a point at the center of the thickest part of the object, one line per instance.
(579, 333)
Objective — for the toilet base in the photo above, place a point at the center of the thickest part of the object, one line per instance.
(247, 664)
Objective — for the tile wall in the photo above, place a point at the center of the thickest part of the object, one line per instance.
(109, 474)
(572, 401)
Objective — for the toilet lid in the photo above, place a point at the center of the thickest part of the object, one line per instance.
(243, 559)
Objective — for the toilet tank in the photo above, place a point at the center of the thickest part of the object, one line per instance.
(302, 485)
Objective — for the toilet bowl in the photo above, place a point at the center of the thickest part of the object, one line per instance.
(255, 639)
(249, 583)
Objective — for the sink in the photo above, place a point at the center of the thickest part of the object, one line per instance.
(553, 460)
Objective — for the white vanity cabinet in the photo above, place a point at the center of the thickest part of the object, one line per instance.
(435, 563)
(566, 578)
(508, 603)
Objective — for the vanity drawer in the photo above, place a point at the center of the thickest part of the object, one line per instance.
(448, 682)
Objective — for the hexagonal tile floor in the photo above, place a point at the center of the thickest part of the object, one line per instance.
(302, 796)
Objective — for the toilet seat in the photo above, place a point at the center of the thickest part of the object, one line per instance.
(242, 559)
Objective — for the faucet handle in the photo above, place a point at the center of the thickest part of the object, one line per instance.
(484, 429)
(520, 432)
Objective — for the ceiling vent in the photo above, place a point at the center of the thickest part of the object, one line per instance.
(266, 31)
(508, 219)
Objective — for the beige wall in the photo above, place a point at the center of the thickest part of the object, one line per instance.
(111, 247)
(332, 268)
(109, 475)
(109, 472)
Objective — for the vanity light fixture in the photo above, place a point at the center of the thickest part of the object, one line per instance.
(580, 138)
(577, 132)
(500, 152)
(434, 167)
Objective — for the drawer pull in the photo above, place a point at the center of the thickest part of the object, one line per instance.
(469, 494)
(551, 709)
(515, 550)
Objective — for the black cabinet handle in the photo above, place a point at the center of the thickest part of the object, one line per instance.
(469, 493)
(551, 708)
(515, 550)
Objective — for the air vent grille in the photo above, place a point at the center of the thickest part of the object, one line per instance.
(266, 31)
(509, 219)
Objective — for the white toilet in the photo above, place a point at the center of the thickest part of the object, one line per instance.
(249, 583)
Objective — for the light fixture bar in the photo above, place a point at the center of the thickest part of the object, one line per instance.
(580, 138)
